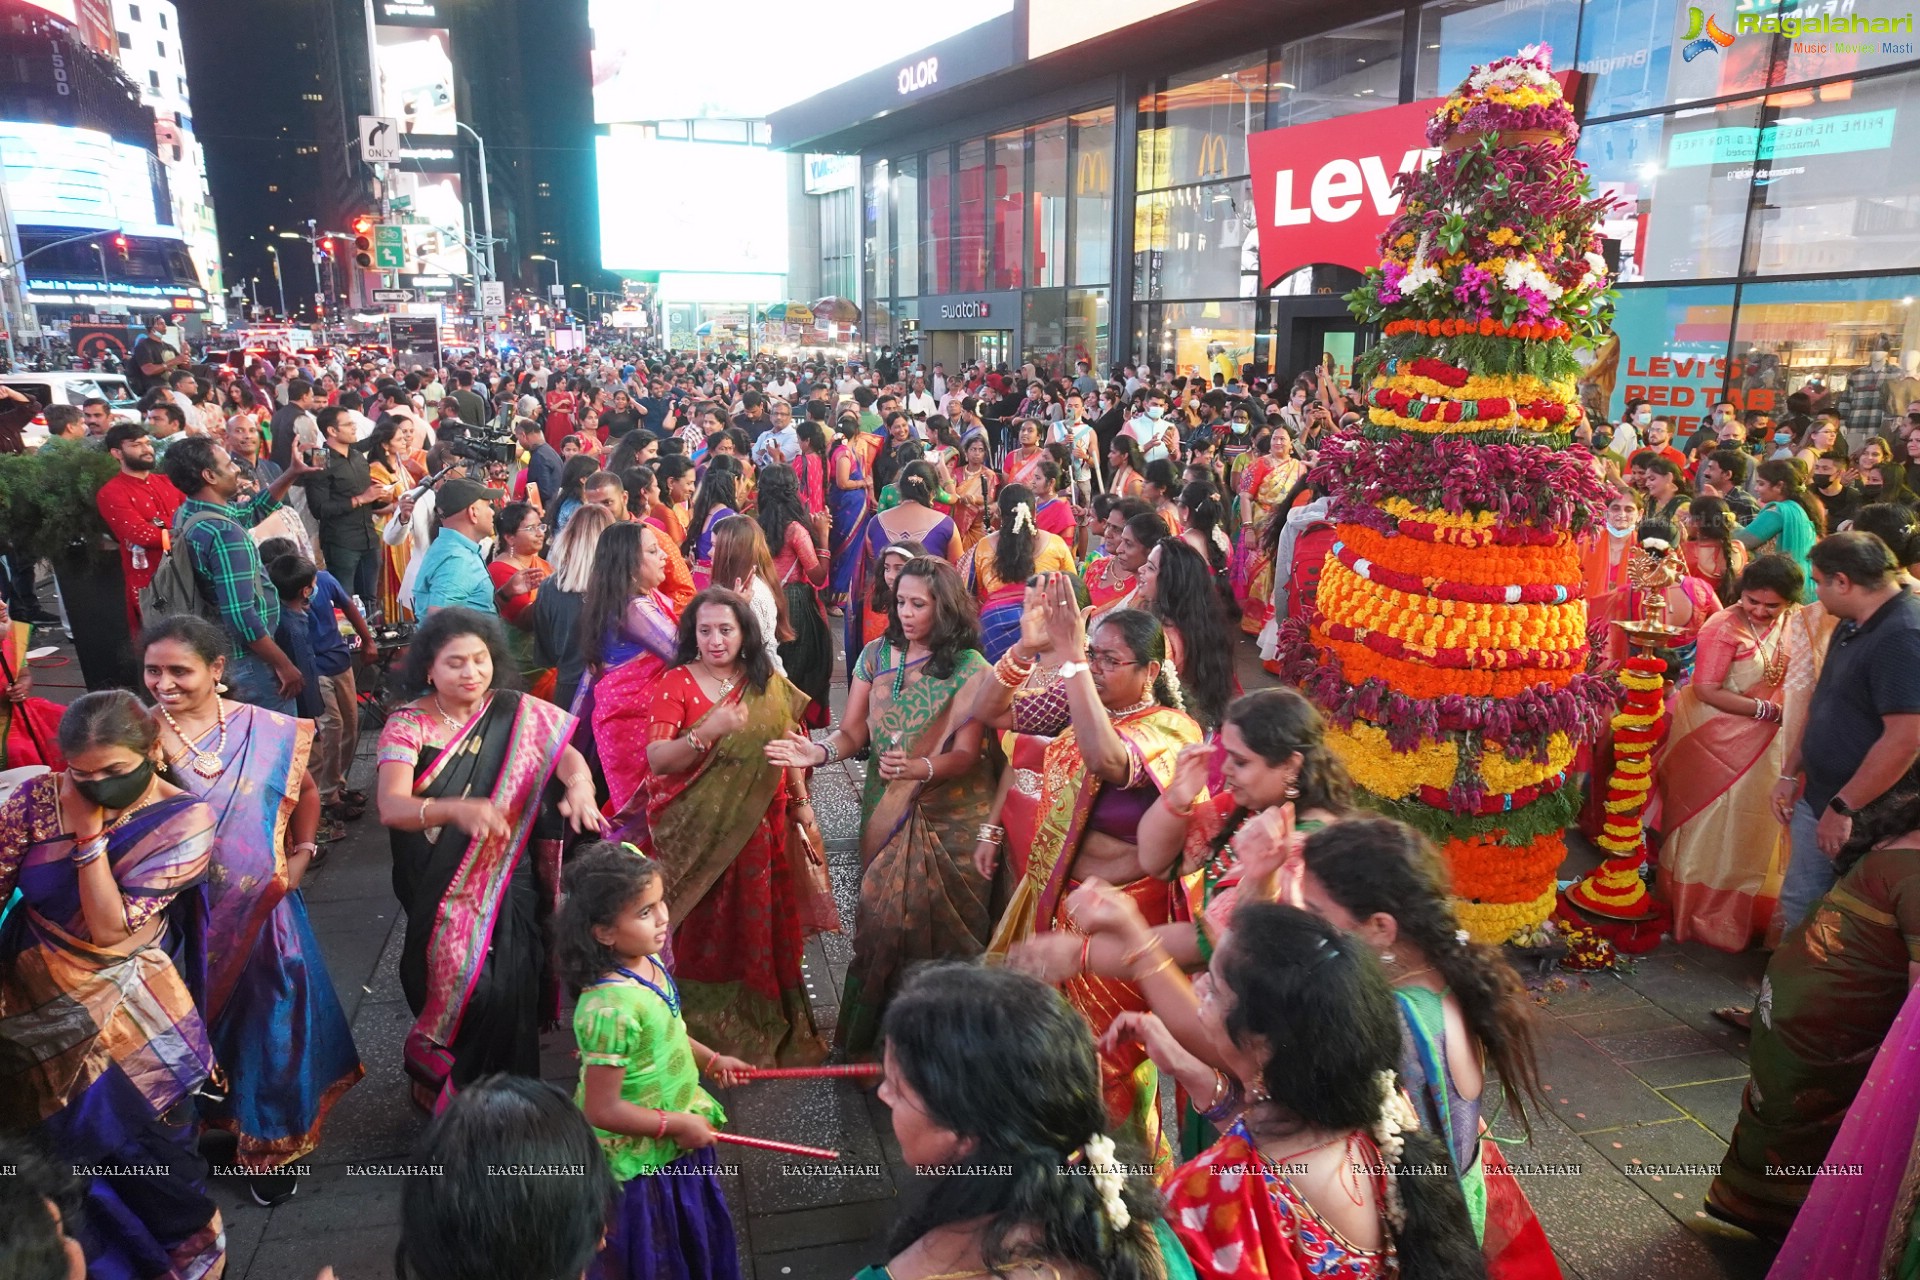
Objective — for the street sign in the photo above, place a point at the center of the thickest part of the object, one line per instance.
(389, 247)
(493, 297)
(393, 295)
(557, 291)
(400, 204)
(379, 139)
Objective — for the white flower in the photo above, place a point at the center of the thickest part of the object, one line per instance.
(1526, 274)
(1107, 1179)
(1022, 518)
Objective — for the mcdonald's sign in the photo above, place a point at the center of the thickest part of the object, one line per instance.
(1213, 157)
(1093, 174)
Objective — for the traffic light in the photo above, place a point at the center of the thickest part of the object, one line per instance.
(363, 252)
(120, 246)
(326, 246)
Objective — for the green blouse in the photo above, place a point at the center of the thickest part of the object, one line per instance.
(619, 1023)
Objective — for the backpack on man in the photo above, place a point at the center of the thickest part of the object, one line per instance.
(176, 583)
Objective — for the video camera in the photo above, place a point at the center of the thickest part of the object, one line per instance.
(480, 444)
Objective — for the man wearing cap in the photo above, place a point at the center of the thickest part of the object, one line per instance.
(454, 572)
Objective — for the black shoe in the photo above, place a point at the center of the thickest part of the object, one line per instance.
(270, 1189)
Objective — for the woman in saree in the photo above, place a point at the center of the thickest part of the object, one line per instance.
(628, 629)
(876, 606)
(273, 1016)
(29, 726)
(474, 779)
(1834, 988)
(715, 500)
(1110, 753)
(1052, 512)
(993, 1076)
(800, 569)
(926, 794)
(718, 816)
(1114, 583)
(1262, 486)
(102, 981)
(916, 519)
(385, 448)
(973, 488)
(1022, 462)
(850, 499)
(519, 537)
(1722, 852)
(996, 569)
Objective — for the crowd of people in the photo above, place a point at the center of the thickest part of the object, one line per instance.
(621, 587)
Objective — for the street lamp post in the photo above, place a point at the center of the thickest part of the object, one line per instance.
(554, 262)
(486, 212)
(100, 253)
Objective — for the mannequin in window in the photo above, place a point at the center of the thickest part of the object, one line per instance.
(1865, 400)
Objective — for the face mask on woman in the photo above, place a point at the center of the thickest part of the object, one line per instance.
(1783, 437)
(119, 791)
(1642, 419)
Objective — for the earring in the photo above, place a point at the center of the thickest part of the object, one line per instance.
(1293, 792)
(1386, 957)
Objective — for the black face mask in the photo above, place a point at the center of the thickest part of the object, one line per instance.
(119, 791)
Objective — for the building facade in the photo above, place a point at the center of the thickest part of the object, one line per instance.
(1098, 201)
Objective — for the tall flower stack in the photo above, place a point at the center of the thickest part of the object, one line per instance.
(1449, 649)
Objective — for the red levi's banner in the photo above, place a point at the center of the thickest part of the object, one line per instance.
(1324, 191)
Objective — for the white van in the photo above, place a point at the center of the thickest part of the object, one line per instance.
(74, 388)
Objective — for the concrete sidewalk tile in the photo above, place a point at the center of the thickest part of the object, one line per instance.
(1670, 1041)
(353, 1255)
(1689, 1068)
(1715, 1104)
(1622, 1019)
(329, 1200)
(361, 866)
(244, 1221)
(856, 1223)
(1590, 1091)
(376, 1119)
(1564, 994)
(819, 1113)
(829, 1261)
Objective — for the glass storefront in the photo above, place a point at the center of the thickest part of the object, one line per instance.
(1764, 239)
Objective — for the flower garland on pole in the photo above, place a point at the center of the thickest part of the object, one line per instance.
(1448, 642)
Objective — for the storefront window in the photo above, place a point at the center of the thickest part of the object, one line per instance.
(1088, 320)
(1091, 134)
(1629, 48)
(906, 225)
(1831, 173)
(838, 253)
(1048, 200)
(1195, 128)
(1006, 196)
(1853, 345)
(1681, 185)
(1203, 338)
(1458, 35)
(938, 245)
(905, 325)
(869, 232)
(970, 226)
(1043, 334)
(1354, 69)
(1672, 352)
(1196, 242)
(879, 246)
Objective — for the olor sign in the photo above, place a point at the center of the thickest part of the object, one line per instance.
(1324, 192)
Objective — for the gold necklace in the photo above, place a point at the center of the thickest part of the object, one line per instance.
(1773, 667)
(208, 764)
(726, 684)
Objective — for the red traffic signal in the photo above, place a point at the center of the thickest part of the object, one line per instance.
(363, 225)
(120, 244)
(327, 245)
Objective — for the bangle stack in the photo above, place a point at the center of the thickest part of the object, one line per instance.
(1178, 812)
(423, 814)
(1010, 671)
(830, 751)
(305, 846)
(661, 1132)
(927, 761)
(693, 740)
(91, 851)
(990, 833)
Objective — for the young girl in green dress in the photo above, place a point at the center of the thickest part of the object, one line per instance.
(639, 1083)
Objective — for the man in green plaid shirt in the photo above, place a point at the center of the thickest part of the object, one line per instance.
(228, 565)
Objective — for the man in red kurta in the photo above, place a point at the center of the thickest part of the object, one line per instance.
(138, 507)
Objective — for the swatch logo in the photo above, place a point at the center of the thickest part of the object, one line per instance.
(1704, 35)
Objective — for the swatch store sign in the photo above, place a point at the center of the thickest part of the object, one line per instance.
(970, 311)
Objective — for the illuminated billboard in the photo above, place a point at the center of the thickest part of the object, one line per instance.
(416, 78)
(62, 176)
(1053, 25)
(690, 206)
(794, 53)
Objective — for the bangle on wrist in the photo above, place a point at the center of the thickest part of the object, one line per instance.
(661, 1132)
(1165, 963)
(305, 846)
(1086, 952)
(1175, 809)
(424, 824)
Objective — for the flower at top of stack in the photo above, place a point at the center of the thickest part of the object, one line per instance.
(1517, 93)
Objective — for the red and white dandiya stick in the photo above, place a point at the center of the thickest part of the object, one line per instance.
(785, 1148)
(849, 1071)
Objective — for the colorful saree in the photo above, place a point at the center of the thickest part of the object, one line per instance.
(1723, 852)
(1858, 1222)
(920, 897)
(276, 1023)
(474, 961)
(1022, 470)
(618, 704)
(1001, 602)
(973, 494)
(1068, 794)
(849, 507)
(1106, 592)
(1234, 1226)
(1265, 483)
(876, 536)
(29, 730)
(1833, 989)
(703, 548)
(719, 832)
(102, 1048)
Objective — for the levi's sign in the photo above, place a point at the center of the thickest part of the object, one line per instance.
(1324, 192)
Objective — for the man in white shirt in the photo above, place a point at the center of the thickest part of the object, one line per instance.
(1628, 435)
(1294, 412)
(1152, 428)
(1133, 382)
(1077, 433)
(920, 402)
(939, 383)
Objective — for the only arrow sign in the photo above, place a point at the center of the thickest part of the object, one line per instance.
(379, 140)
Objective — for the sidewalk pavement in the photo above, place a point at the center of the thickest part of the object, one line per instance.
(1642, 1086)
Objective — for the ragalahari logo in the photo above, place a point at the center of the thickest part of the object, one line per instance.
(1704, 35)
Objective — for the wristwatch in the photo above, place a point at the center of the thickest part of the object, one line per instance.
(1842, 808)
(1068, 670)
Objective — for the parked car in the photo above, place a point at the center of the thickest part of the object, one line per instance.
(74, 388)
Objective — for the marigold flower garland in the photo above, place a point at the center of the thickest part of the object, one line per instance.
(1617, 889)
(1450, 637)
